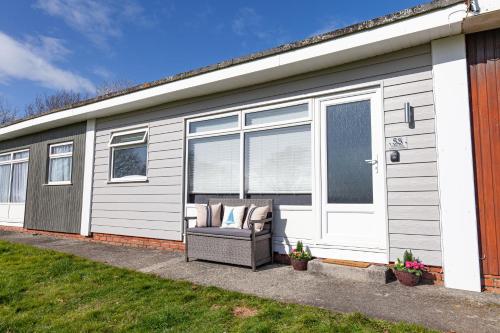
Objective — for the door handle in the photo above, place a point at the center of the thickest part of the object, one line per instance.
(374, 163)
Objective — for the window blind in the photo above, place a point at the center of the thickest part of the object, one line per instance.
(214, 164)
(278, 160)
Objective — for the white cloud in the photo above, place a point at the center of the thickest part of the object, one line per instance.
(99, 21)
(49, 48)
(23, 61)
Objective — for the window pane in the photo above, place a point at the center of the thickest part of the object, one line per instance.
(213, 124)
(348, 146)
(275, 115)
(4, 158)
(61, 149)
(60, 169)
(19, 181)
(133, 137)
(4, 182)
(130, 162)
(278, 161)
(214, 165)
(21, 155)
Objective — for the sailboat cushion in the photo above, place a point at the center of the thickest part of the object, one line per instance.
(233, 217)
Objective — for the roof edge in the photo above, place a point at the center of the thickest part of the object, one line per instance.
(313, 40)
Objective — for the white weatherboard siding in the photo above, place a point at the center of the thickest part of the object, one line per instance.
(455, 166)
(155, 208)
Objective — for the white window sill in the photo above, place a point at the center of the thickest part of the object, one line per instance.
(58, 183)
(128, 180)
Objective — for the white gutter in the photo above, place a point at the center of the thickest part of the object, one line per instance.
(406, 33)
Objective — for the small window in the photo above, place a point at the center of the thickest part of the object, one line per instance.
(215, 124)
(129, 155)
(287, 113)
(5, 157)
(60, 163)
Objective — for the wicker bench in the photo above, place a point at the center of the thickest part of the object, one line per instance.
(245, 247)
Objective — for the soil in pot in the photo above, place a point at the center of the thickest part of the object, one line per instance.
(407, 279)
(299, 265)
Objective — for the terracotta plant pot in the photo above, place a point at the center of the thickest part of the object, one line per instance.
(407, 279)
(299, 265)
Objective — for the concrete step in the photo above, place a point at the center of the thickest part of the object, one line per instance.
(371, 274)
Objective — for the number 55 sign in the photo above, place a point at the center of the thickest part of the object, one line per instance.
(398, 142)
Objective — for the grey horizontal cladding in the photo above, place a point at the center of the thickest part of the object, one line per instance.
(414, 227)
(412, 184)
(144, 224)
(411, 75)
(432, 258)
(412, 170)
(406, 76)
(138, 232)
(138, 206)
(430, 198)
(415, 100)
(138, 198)
(139, 189)
(414, 156)
(401, 129)
(428, 213)
(137, 215)
(417, 242)
(419, 113)
(416, 141)
(138, 224)
(408, 88)
(156, 181)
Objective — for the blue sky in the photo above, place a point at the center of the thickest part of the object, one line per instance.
(47, 45)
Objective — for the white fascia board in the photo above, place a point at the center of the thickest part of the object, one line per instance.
(371, 42)
(460, 246)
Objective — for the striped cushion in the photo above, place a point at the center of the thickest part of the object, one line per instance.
(256, 213)
(208, 215)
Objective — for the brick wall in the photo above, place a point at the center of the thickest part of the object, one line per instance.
(491, 283)
(150, 243)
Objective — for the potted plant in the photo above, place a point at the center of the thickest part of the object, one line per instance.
(409, 270)
(299, 257)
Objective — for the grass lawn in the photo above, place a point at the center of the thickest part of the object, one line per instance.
(43, 291)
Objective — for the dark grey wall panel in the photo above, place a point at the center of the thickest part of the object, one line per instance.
(51, 207)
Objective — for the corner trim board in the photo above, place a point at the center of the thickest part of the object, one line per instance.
(88, 175)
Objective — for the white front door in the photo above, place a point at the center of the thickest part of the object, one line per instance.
(352, 163)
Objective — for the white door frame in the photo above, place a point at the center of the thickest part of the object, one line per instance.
(380, 254)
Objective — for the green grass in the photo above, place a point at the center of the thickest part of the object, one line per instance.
(42, 291)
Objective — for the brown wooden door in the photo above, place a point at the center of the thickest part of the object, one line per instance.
(483, 56)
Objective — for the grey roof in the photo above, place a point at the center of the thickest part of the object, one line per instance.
(328, 36)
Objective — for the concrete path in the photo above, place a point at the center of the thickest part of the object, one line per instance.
(431, 306)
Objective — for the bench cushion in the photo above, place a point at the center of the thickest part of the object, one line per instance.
(242, 233)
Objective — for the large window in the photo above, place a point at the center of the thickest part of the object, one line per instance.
(13, 176)
(60, 163)
(265, 155)
(129, 155)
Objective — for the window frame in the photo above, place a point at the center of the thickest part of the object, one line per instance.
(52, 156)
(211, 117)
(126, 145)
(243, 129)
(11, 161)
